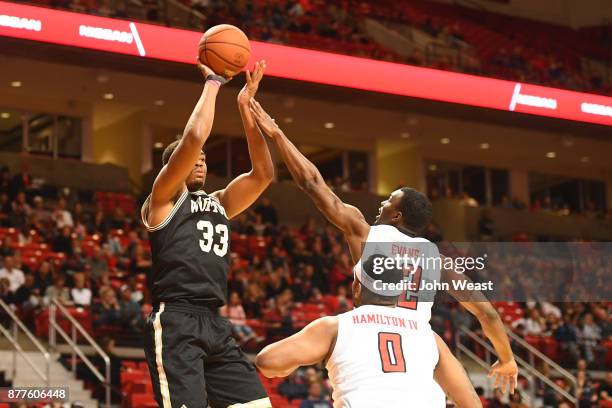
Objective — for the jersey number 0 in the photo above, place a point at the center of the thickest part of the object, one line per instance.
(208, 232)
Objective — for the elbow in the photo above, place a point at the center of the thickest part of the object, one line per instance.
(488, 316)
(265, 363)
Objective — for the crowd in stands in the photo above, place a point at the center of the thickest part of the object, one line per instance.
(339, 26)
(95, 257)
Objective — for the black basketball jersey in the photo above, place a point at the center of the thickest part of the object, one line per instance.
(190, 250)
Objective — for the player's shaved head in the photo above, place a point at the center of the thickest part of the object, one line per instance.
(415, 208)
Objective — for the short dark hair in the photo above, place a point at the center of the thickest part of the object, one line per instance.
(416, 209)
(169, 150)
(388, 275)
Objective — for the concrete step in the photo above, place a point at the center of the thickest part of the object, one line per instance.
(26, 376)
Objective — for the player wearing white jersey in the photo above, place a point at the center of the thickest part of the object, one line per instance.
(376, 356)
(408, 211)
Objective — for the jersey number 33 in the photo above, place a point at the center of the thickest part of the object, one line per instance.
(209, 232)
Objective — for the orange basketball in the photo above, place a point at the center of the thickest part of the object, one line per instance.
(225, 49)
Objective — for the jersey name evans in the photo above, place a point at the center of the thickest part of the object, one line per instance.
(207, 204)
(377, 318)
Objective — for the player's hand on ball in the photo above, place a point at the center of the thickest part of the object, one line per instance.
(265, 122)
(249, 90)
(505, 374)
(205, 70)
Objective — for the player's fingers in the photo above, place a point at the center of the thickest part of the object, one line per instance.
(248, 77)
(504, 383)
(513, 381)
(497, 379)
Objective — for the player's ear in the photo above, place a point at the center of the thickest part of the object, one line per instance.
(397, 216)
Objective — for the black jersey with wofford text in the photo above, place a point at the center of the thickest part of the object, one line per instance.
(190, 250)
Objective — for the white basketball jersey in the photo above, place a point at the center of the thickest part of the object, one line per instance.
(391, 242)
(382, 359)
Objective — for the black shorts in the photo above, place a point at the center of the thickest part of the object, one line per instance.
(195, 362)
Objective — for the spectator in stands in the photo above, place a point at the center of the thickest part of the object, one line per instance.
(6, 249)
(97, 263)
(313, 400)
(108, 311)
(567, 336)
(61, 215)
(252, 302)
(534, 324)
(293, 387)
(98, 224)
(589, 336)
(267, 211)
(131, 314)
(44, 276)
(14, 275)
(81, 295)
(21, 181)
(26, 291)
(6, 294)
(118, 220)
(236, 315)
(58, 291)
(605, 389)
(584, 390)
(136, 294)
(63, 241)
(258, 228)
(140, 260)
(20, 212)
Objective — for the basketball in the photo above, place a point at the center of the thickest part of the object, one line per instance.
(225, 49)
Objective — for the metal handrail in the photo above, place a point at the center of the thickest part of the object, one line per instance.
(524, 367)
(18, 324)
(542, 356)
(76, 350)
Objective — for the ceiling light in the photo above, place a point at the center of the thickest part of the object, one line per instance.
(159, 102)
(484, 146)
(568, 142)
(16, 84)
(445, 140)
(404, 135)
(288, 119)
(329, 125)
(585, 159)
(103, 79)
(433, 167)
(109, 96)
(158, 145)
(551, 155)
(5, 115)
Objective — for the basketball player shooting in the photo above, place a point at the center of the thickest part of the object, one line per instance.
(402, 216)
(192, 357)
(376, 356)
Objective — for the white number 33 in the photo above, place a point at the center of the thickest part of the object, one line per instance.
(208, 232)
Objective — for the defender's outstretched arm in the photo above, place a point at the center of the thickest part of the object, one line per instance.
(241, 192)
(505, 371)
(306, 175)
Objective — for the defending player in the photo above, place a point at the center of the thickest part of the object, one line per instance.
(193, 359)
(401, 217)
(376, 355)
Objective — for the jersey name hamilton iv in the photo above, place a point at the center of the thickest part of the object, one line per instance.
(190, 249)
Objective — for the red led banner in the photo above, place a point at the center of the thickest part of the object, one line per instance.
(151, 41)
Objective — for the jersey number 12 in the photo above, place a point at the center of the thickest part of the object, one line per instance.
(208, 232)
